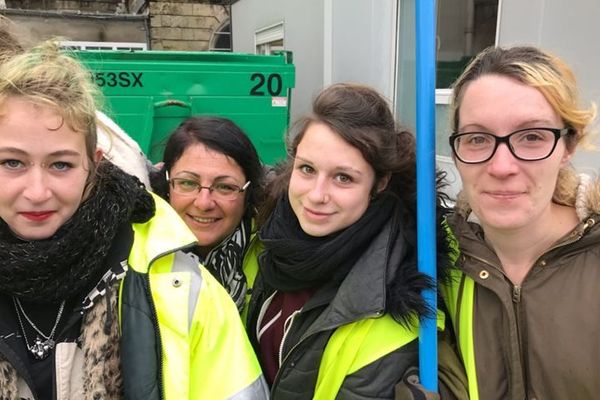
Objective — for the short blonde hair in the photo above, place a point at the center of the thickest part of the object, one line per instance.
(9, 45)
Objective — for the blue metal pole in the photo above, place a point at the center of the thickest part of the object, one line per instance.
(426, 196)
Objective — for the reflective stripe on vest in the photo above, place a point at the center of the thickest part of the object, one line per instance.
(459, 296)
(188, 263)
(356, 345)
(257, 390)
(465, 333)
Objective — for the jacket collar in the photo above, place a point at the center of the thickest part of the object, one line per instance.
(362, 294)
(467, 228)
(158, 238)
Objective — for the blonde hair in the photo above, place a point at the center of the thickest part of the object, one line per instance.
(48, 77)
(9, 45)
(554, 79)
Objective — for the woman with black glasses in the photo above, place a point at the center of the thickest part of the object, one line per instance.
(525, 298)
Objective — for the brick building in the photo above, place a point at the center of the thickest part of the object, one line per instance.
(146, 24)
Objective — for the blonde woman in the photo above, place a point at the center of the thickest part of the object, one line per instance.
(97, 299)
(525, 298)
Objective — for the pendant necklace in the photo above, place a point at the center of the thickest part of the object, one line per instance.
(42, 345)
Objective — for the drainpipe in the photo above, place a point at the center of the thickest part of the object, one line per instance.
(426, 196)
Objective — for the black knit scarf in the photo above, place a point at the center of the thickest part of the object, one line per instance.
(73, 259)
(294, 260)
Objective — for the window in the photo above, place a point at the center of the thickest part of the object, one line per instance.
(465, 27)
(76, 45)
(269, 39)
(221, 39)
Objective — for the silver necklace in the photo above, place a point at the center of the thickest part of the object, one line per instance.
(40, 348)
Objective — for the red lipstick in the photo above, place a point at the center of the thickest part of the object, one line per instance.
(37, 216)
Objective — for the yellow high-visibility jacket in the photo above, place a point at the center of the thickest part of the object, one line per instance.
(178, 323)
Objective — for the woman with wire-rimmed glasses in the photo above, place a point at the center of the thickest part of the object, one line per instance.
(212, 176)
(525, 297)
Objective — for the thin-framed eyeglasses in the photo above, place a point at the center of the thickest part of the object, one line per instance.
(530, 144)
(218, 190)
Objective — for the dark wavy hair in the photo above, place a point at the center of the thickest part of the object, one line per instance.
(221, 135)
(363, 118)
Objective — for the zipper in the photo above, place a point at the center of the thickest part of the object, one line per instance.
(161, 389)
(516, 291)
(516, 297)
(516, 294)
(286, 330)
(160, 384)
(261, 315)
(283, 363)
(287, 325)
(572, 238)
(521, 342)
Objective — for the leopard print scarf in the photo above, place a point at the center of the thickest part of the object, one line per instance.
(100, 345)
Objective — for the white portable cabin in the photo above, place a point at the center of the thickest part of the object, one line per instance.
(373, 41)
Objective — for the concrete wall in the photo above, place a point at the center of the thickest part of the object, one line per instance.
(36, 26)
(94, 21)
(100, 6)
(161, 24)
(184, 24)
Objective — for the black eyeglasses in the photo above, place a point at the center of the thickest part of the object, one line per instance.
(531, 144)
